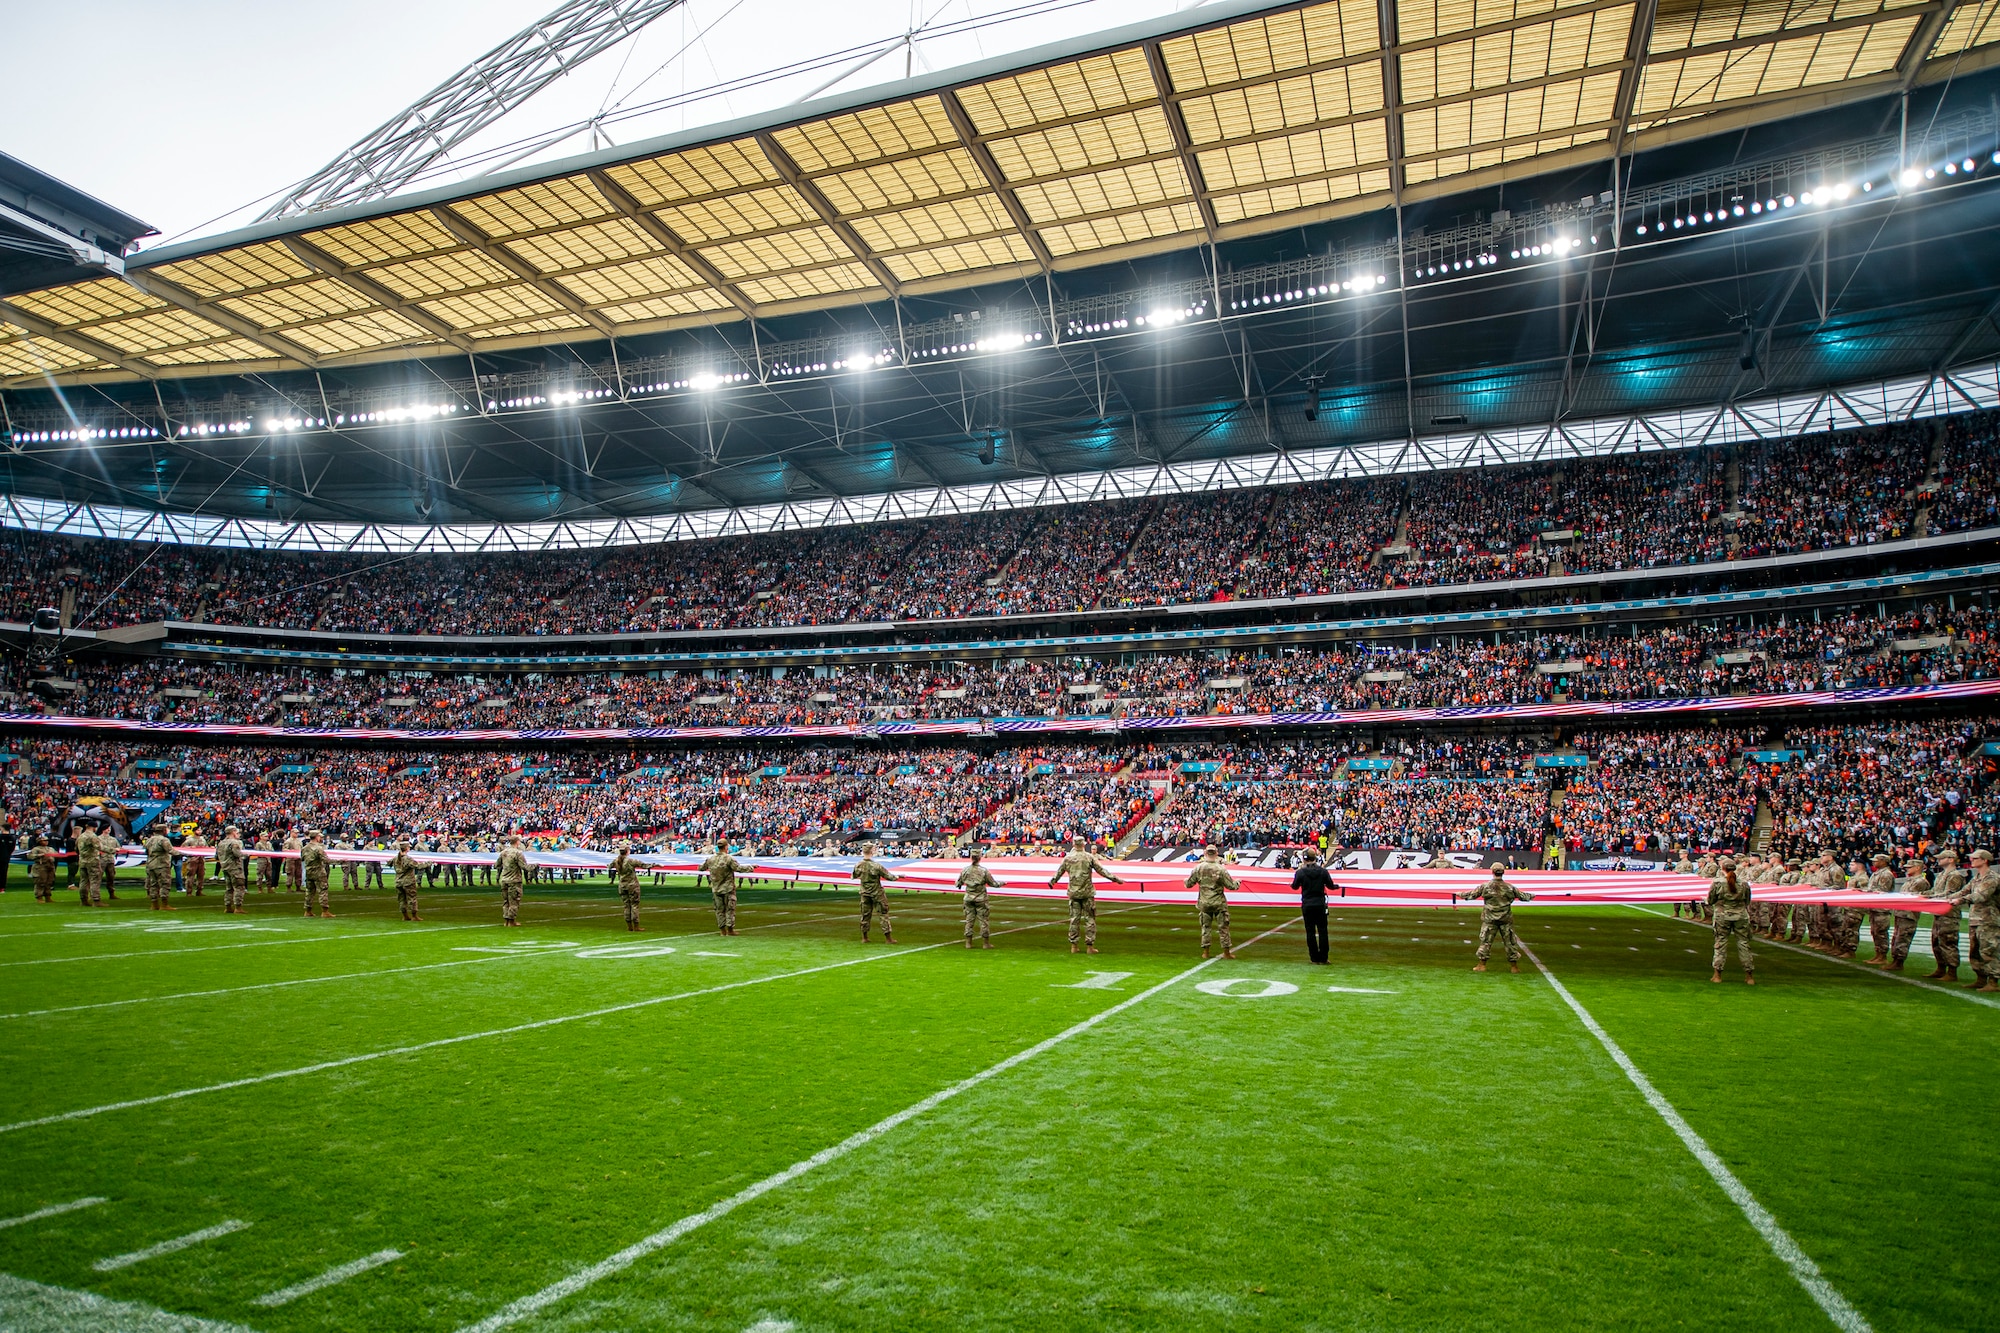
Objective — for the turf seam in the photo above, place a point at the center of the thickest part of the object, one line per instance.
(1862, 968)
(536, 1302)
(1807, 1273)
(84, 1113)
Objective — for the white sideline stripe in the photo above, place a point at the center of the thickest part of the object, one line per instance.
(1862, 968)
(216, 1232)
(53, 1210)
(331, 1277)
(30, 1307)
(254, 944)
(533, 1304)
(367, 1056)
(343, 976)
(1844, 1316)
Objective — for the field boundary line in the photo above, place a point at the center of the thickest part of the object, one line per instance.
(1862, 968)
(1807, 1273)
(257, 944)
(536, 1302)
(33, 1307)
(365, 1057)
(351, 976)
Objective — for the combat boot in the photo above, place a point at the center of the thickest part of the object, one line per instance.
(1479, 966)
(1716, 976)
(1513, 967)
(1749, 978)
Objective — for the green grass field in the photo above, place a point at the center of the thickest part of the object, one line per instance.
(397, 1127)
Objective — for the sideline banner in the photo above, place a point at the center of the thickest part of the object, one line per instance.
(1888, 694)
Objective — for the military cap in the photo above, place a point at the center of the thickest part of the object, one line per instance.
(1880, 859)
(1729, 863)
(1914, 863)
(1948, 855)
(1981, 854)
(1498, 867)
(1794, 861)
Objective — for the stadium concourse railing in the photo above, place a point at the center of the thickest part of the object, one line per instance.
(1873, 696)
(300, 649)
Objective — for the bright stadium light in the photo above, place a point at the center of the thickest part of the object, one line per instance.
(1910, 178)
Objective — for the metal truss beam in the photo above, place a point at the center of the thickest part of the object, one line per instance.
(399, 150)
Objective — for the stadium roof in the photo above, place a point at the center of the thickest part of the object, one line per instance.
(1253, 120)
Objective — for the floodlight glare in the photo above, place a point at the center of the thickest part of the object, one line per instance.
(1910, 178)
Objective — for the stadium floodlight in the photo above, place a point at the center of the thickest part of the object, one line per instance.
(1910, 178)
(1968, 164)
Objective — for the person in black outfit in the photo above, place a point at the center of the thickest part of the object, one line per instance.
(1312, 882)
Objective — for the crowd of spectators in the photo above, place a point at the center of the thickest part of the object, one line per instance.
(1930, 643)
(1877, 787)
(1468, 525)
(1654, 792)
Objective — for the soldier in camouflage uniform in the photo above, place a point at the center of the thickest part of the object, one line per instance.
(1211, 882)
(230, 868)
(1750, 869)
(316, 871)
(721, 868)
(974, 881)
(408, 874)
(1496, 918)
(1950, 882)
(1917, 882)
(1825, 875)
(1683, 867)
(90, 866)
(1881, 879)
(42, 869)
(1982, 913)
(1801, 912)
(267, 866)
(350, 871)
(511, 869)
(294, 870)
(107, 859)
(870, 874)
(1729, 899)
(159, 871)
(626, 871)
(1078, 868)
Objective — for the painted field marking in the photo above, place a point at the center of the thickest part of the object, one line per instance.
(1357, 990)
(261, 985)
(299, 938)
(178, 1243)
(535, 1303)
(1862, 968)
(31, 1307)
(53, 1210)
(1844, 1316)
(368, 1056)
(628, 951)
(331, 1277)
(710, 953)
(1226, 987)
(1095, 981)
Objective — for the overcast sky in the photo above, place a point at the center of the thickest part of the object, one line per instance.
(187, 112)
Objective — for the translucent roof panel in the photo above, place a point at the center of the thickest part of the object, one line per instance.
(1226, 115)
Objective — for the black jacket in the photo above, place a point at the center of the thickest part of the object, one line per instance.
(1312, 883)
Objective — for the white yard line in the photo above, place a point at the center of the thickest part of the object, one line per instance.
(31, 1307)
(533, 1304)
(1844, 1316)
(53, 1210)
(178, 1243)
(255, 944)
(1955, 992)
(331, 1277)
(364, 1058)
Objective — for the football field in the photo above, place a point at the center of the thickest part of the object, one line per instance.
(275, 1123)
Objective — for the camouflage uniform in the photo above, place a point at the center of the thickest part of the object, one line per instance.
(1079, 867)
(1982, 913)
(42, 870)
(408, 873)
(1906, 922)
(294, 871)
(973, 882)
(316, 870)
(235, 876)
(721, 870)
(511, 868)
(869, 873)
(90, 888)
(107, 859)
(350, 871)
(626, 871)
(1211, 880)
(1496, 918)
(267, 867)
(1729, 899)
(159, 869)
(1881, 924)
(1950, 884)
